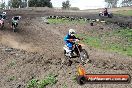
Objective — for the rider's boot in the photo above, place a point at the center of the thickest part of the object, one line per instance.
(70, 53)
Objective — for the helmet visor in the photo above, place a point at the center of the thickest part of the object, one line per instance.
(72, 33)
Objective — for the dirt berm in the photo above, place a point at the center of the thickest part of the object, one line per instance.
(36, 50)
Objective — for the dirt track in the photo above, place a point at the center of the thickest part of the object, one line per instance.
(37, 50)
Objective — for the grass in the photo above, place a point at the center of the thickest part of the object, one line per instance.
(122, 44)
(50, 79)
(64, 86)
(11, 78)
(90, 40)
(124, 33)
(64, 21)
(74, 79)
(124, 12)
(12, 63)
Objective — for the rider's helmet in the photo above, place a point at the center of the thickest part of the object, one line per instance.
(105, 9)
(16, 18)
(71, 32)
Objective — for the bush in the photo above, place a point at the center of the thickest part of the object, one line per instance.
(74, 8)
(50, 79)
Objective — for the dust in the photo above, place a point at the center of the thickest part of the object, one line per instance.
(13, 42)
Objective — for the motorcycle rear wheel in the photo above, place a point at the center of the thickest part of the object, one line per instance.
(110, 15)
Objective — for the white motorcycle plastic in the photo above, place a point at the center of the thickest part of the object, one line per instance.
(109, 15)
(77, 51)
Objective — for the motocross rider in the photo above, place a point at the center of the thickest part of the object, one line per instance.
(68, 40)
(15, 19)
(4, 15)
(105, 12)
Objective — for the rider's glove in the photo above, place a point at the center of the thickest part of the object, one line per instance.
(76, 39)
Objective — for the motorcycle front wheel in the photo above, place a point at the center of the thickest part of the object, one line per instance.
(1, 26)
(110, 15)
(14, 29)
(84, 57)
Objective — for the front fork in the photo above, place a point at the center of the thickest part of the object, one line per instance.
(78, 50)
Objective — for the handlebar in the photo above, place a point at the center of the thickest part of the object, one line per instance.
(75, 40)
(72, 39)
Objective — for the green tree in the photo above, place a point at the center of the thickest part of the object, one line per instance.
(9, 3)
(74, 8)
(32, 3)
(40, 3)
(66, 4)
(24, 3)
(16, 3)
(126, 3)
(111, 3)
(3, 5)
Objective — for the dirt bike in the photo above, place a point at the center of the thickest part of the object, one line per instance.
(109, 15)
(14, 26)
(77, 51)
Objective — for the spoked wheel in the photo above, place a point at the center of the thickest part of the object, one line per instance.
(110, 15)
(2, 26)
(84, 57)
(100, 15)
(14, 29)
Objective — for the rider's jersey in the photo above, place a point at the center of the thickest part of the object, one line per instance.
(69, 37)
(15, 19)
(105, 11)
(2, 17)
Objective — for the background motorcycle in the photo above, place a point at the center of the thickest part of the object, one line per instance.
(109, 15)
(1, 21)
(77, 51)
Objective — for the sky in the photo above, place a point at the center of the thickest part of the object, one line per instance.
(82, 4)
